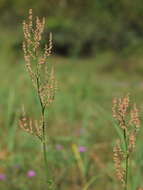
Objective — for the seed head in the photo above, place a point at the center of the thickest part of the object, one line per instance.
(117, 157)
(30, 126)
(135, 117)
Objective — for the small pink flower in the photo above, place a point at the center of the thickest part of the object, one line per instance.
(59, 147)
(2, 177)
(31, 173)
(82, 149)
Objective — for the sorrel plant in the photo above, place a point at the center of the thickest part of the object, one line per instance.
(42, 77)
(128, 121)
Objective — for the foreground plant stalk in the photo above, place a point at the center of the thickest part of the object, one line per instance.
(43, 80)
(125, 146)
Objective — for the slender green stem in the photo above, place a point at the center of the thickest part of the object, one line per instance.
(127, 171)
(43, 134)
(126, 161)
(49, 180)
(44, 139)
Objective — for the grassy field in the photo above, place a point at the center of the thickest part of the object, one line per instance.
(80, 128)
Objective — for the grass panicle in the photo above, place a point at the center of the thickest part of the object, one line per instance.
(129, 123)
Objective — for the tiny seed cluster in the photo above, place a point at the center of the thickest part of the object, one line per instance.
(30, 126)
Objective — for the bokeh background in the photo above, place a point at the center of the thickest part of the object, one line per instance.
(98, 54)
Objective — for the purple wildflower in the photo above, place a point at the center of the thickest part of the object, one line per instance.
(31, 173)
(2, 177)
(59, 147)
(82, 149)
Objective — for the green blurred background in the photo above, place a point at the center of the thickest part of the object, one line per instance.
(80, 27)
(98, 47)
